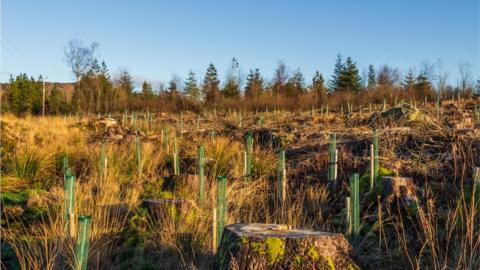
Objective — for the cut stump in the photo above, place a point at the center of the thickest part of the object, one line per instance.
(394, 187)
(274, 246)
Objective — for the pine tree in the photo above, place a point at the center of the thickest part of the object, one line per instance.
(296, 83)
(423, 86)
(172, 89)
(409, 82)
(24, 95)
(349, 77)
(371, 77)
(55, 103)
(147, 89)
(477, 87)
(191, 89)
(337, 73)
(255, 84)
(125, 82)
(211, 85)
(318, 88)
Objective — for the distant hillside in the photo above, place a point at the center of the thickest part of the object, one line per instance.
(65, 88)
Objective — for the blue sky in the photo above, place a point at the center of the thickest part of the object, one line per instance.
(154, 39)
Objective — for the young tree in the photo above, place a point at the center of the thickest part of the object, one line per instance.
(147, 89)
(335, 82)
(280, 78)
(24, 95)
(125, 82)
(173, 87)
(465, 72)
(387, 77)
(371, 77)
(477, 87)
(318, 88)
(296, 84)
(349, 77)
(211, 84)
(56, 104)
(408, 83)
(423, 87)
(255, 84)
(191, 89)
(232, 86)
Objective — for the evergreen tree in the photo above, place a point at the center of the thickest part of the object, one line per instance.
(477, 87)
(349, 77)
(255, 84)
(147, 89)
(191, 89)
(232, 87)
(24, 95)
(371, 77)
(211, 85)
(337, 73)
(297, 84)
(56, 104)
(423, 86)
(409, 82)
(125, 82)
(318, 88)
(172, 89)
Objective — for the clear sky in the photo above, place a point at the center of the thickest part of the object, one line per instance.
(154, 39)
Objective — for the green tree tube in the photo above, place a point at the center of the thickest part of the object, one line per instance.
(221, 205)
(201, 174)
(83, 242)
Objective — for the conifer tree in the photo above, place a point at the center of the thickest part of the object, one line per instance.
(409, 82)
(423, 86)
(211, 84)
(318, 88)
(349, 77)
(371, 77)
(191, 89)
(337, 73)
(255, 84)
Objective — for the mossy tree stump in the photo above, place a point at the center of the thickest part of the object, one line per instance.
(273, 246)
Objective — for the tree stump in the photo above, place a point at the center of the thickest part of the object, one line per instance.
(274, 246)
(394, 187)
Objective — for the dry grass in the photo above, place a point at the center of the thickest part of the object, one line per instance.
(442, 232)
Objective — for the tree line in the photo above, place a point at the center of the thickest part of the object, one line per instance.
(97, 92)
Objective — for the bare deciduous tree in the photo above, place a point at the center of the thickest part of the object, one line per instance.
(79, 57)
(442, 77)
(465, 72)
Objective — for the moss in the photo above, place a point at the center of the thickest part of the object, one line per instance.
(297, 259)
(258, 247)
(313, 253)
(330, 264)
(275, 249)
(382, 171)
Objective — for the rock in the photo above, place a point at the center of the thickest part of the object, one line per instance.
(273, 246)
(394, 187)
